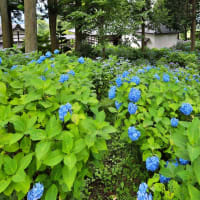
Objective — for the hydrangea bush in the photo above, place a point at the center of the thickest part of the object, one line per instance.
(51, 128)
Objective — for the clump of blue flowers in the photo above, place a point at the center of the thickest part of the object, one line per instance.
(119, 81)
(183, 162)
(152, 163)
(13, 67)
(166, 78)
(36, 192)
(64, 109)
(157, 76)
(186, 108)
(142, 193)
(111, 93)
(136, 80)
(134, 95)
(48, 54)
(63, 78)
(164, 179)
(81, 60)
(71, 72)
(125, 74)
(56, 51)
(174, 122)
(133, 133)
(117, 105)
(0, 60)
(132, 108)
(43, 78)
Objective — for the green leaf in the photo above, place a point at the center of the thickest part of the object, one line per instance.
(100, 145)
(2, 89)
(194, 131)
(52, 193)
(10, 165)
(37, 134)
(70, 160)
(194, 152)
(4, 184)
(69, 176)
(193, 192)
(25, 161)
(54, 158)
(79, 145)
(195, 166)
(53, 127)
(42, 149)
(112, 110)
(19, 176)
(67, 143)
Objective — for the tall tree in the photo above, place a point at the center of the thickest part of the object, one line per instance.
(193, 26)
(30, 25)
(6, 24)
(52, 10)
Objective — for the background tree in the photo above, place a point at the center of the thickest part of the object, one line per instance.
(30, 25)
(6, 24)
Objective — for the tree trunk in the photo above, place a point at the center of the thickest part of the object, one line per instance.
(185, 34)
(52, 9)
(30, 25)
(10, 26)
(6, 23)
(143, 36)
(193, 27)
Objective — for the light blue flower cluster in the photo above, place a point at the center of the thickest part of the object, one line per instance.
(166, 78)
(157, 76)
(117, 105)
(13, 67)
(142, 193)
(43, 78)
(134, 95)
(41, 59)
(183, 162)
(52, 65)
(71, 72)
(48, 54)
(56, 51)
(119, 81)
(133, 133)
(111, 93)
(63, 110)
(136, 80)
(152, 163)
(63, 78)
(132, 108)
(0, 60)
(125, 74)
(81, 60)
(141, 71)
(36, 192)
(174, 122)
(186, 108)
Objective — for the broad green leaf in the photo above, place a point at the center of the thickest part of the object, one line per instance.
(69, 176)
(194, 152)
(194, 192)
(4, 184)
(52, 193)
(2, 89)
(112, 110)
(19, 176)
(42, 149)
(25, 161)
(70, 160)
(100, 145)
(53, 158)
(79, 146)
(53, 127)
(10, 165)
(195, 166)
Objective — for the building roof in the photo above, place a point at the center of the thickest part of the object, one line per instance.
(14, 26)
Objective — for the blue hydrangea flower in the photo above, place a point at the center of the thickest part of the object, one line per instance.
(81, 60)
(0, 60)
(164, 179)
(140, 71)
(119, 81)
(132, 108)
(186, 108)
(71, 72)
(125, 74)
(111, 93)
(52, 59)
(117, 105)
(64, 109)
(152, 163)
(56, 51)
(46, 69)
(43, 78)
(13, 67)
(63, 78)
(136, 80)
(174, 122)
(52, 65)
(134, 95)
(143, 187)
(42, 58)
(166, 78)
(148, 68)
(36, 192)
(183, 162)
(39, 61)
(157, 76)
(32, 61)
(133, 133)
(48, 54)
